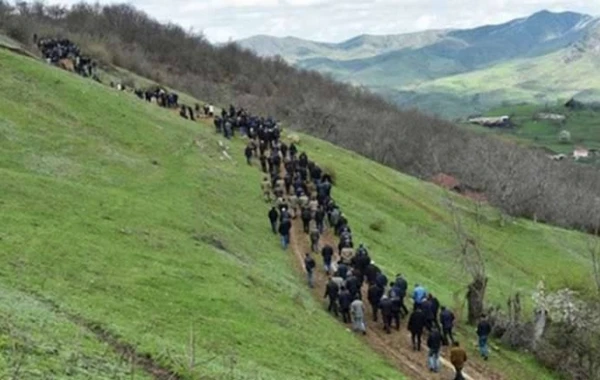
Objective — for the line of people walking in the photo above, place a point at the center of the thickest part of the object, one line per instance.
(299, 189)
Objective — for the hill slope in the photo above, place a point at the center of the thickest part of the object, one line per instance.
(127, 217)
(414, 69)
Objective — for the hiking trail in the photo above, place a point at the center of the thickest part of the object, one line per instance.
(397, 346)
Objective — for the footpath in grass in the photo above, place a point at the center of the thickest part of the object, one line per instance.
(130, 218)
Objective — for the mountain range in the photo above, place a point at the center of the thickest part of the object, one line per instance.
(541, 58)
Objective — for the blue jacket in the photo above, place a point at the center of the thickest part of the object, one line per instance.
(418, 294)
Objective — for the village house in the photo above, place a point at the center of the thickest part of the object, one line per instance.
(580, 152)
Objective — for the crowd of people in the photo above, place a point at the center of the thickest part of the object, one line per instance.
(299, 189)
(62, 51)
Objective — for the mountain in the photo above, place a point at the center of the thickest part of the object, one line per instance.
(414, 69)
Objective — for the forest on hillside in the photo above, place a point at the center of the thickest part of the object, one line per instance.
(519, 181)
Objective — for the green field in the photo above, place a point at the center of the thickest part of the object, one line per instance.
(127, 217)
(583, 126)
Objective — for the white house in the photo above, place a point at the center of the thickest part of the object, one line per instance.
(580, 152)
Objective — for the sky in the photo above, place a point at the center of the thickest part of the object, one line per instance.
(335, 21)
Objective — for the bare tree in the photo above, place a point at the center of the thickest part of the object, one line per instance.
(593, 246)
(472, 260)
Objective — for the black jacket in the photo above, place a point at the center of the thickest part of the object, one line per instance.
(435, 306)
(332, 291)
(484, 328)
(342, 270)
(345, 299)
(284, 227)
(416, 322)
(447, 319)
(327, 253)
(434, 342)
(374, 295)
(306, 214)
(352, 285)
(402, 285)
(371, 273)
(386, 306)
(309, 264)
(273, 215)
(381, 280)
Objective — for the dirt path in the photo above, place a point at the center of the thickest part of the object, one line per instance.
(396, 346)
(127, 352)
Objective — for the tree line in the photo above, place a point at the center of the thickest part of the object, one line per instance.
(520, 181)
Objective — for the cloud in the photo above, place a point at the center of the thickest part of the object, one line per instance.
(334, 20)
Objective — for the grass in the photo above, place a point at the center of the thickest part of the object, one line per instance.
(92, 224)
(583, 126)
(128, 216)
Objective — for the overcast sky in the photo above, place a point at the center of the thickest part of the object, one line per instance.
(334, 21)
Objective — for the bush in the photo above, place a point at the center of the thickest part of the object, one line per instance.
(564, 137)
(378, 225)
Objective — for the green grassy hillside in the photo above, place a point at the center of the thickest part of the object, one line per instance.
(129, 218)
(581, 124)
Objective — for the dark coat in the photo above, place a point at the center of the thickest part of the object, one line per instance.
(416, 322)
(447, 319)
(375, 293)
(332, 290)
(327, 253)
(435, 306)
(306, 215)
(273, 215)
(342, 270)
(386, 306)
(352, 285)
(284, 227)
(309, 264)
(345, 299)
(427, 307)
(402, 285)
(371, 273)
(434, 342)
(381, 280)
(484, 328)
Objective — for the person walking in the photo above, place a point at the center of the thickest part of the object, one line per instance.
(306, 218)
(484, 329)
(416, 324)
(374, 295)
(309, 265)
(458, 358)
(358, 316)
(401, 286)
(419, 294)
(396, 305)
(332, 291)
(314, 238)
(327, 253)
(284, 230)
(273, 216)
(345, 300)
(447, 322)
(386, 312)
(248, 153)
(434, 343)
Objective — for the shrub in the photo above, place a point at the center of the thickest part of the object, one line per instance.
(564, 137)
(378, 225)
